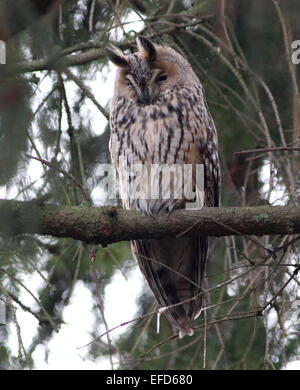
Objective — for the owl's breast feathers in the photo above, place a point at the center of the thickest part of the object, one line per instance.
(176, 129)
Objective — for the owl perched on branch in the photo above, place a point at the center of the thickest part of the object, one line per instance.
(159, 116)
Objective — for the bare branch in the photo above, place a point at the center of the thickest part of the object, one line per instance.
(261, 150)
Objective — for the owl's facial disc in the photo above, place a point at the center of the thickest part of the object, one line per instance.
(147, 88)
(150, 73)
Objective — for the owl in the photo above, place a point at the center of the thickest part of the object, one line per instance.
(159, 116)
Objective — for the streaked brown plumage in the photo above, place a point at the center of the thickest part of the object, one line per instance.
(159, 116)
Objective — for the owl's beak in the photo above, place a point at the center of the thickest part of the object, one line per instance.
(145, 95)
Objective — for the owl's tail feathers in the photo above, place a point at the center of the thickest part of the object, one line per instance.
(181, 326)
(185, 328)
(181, 322)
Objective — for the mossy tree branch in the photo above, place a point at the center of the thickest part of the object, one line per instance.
(105, 225)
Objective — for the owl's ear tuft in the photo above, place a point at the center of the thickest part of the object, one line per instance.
(116, 56)
(146, 48)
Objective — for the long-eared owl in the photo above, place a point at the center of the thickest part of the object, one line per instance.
(158, 116)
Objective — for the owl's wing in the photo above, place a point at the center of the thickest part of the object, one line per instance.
(208, 152)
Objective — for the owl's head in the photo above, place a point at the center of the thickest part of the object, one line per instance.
(150, 72)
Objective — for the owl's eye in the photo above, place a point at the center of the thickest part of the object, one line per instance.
(161, 77)
(128, 83)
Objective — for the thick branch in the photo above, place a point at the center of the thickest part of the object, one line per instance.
(106, 225)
